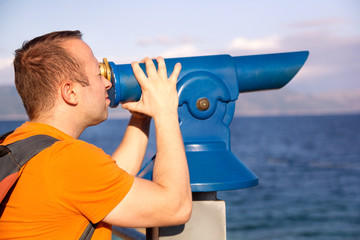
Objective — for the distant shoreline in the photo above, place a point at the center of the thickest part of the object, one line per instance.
(126, 116)
(283, 102)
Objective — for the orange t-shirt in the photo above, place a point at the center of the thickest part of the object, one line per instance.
(61, 188)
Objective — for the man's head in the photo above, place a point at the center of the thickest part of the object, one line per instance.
(41, 65)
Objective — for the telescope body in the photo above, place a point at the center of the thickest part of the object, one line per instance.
(208, 87)
(239, 74)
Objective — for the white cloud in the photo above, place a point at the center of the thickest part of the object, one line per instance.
(164, 40)
(244, 44)
(181, 51)
(319, 23)
(333, 63)
(167, 40)
(159, 40)
(5, 62)
(144, 41)
(312, 71)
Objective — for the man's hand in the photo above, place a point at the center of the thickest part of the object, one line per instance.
(159, 94)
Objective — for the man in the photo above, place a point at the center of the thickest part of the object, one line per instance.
(72, 182)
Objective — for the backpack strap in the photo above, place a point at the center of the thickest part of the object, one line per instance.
(2, 137)
(15, 155)
(89, 231)
(27, 148)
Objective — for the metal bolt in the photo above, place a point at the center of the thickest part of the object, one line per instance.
(203, 104)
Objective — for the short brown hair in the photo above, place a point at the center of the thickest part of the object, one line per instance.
(41, 65)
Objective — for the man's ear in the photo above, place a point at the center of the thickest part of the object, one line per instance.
(70, 92)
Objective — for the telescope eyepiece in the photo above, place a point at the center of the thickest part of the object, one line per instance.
(105, 69)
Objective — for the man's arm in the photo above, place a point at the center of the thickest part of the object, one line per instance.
(167, 199)
(130, 153)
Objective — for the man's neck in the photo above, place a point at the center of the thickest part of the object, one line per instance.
(66, 125)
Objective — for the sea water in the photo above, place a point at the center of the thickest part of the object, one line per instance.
(308, 169)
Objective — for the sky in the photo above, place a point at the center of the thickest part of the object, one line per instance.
(124, 31)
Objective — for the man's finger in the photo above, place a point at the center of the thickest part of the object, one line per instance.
(150, 68)
(161, 68)
(175, 74)
(139, 73)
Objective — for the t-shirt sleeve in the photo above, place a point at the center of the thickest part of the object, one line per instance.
(89, 181)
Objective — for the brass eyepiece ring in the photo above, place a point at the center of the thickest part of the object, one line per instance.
(105, 69)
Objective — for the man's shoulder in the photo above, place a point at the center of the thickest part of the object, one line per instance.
(78, 147)
(78, 157)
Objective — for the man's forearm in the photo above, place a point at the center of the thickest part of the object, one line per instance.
(130, 153)
(170, 167)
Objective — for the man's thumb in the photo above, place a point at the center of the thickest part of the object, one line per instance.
(129, 106)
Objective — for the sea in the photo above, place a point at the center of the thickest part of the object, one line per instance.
(308, 169)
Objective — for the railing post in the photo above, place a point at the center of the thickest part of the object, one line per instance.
(208, 221)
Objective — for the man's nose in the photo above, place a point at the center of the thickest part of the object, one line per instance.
(107, 83)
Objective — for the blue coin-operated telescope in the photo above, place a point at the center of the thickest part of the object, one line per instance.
(208, 87)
